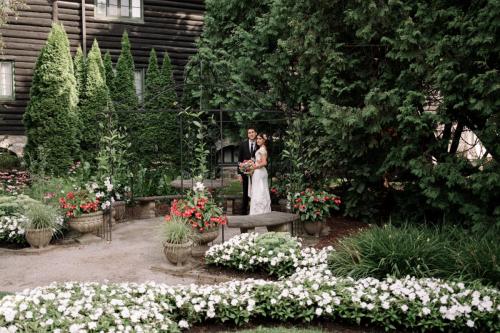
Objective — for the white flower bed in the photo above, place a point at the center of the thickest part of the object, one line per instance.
(311, 292)
(87, 307)
(308, 294)
(243, 252)
(12, 228)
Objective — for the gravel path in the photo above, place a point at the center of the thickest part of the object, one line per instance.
(136, 246)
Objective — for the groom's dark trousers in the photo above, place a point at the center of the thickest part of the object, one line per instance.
(245, 154)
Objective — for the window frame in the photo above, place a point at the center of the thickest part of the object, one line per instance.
(119, 18)
(12, 97)
(143, 83)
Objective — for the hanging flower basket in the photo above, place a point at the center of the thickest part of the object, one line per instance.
(87, 223)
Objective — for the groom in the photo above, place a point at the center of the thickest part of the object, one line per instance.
(247, 152)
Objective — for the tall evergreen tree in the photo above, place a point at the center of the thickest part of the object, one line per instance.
(124, 97)
(51, 118)
(94, 104)
(168, 100)
(108, 70)
(168, 83)
(79, 69)
(158, 143)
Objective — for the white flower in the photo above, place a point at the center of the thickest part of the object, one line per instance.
(470, 323)
(319, 311)
(404, 307)
(183, 324)
(199, 187)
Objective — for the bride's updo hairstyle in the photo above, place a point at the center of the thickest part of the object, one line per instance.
(264, 136)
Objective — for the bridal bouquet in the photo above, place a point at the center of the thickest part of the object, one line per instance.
(247, 167)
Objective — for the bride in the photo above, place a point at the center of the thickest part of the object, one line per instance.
(259, 192)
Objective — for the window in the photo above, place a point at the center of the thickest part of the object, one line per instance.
(139, 83)
(6, 80)
(119, 9)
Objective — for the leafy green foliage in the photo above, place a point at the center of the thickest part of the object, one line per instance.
(9, 160)
(95, 104)
(384, 95)
(51, 117)
(446, 252)
(113, 156)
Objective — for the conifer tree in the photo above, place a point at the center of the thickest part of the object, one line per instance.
(168, 100)
(79, 69)
(94, 104)
(51, 117)
(158, 144)
(124, 97)
(168, 83)
(108, 70)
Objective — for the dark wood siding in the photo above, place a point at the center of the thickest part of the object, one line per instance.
(168, 26)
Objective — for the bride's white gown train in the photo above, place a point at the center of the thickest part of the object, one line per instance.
(259, 191)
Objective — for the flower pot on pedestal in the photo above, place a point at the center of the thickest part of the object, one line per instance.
(313, 228)
(203, 238)
(177, 254)
(86, 223)
(39, 238)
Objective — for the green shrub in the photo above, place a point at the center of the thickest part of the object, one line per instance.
(388, 250)
(9, 161)
(48, 190)
(51, 117)
(478, 256)
(277, 242)
(420, 251)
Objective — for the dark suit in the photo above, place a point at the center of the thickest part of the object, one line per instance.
(245, 154)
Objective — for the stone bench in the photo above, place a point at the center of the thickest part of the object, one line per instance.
(145, 207)
(274, 221)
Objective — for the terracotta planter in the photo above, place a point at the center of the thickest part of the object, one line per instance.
(39, 237)
(87, 222)
(313, 228)
(208, 236)
(177, 254)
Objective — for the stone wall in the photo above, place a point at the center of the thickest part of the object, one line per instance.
(14, 143)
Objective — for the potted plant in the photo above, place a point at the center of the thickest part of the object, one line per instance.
(177, 240)
(201, 212)
(313, 207)
(42, 222)
(83, 210)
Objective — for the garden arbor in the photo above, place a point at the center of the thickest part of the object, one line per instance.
(200, 135)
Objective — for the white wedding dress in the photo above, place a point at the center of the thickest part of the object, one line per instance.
(259, 190)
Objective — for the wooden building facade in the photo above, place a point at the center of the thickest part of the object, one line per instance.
(167, 25)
